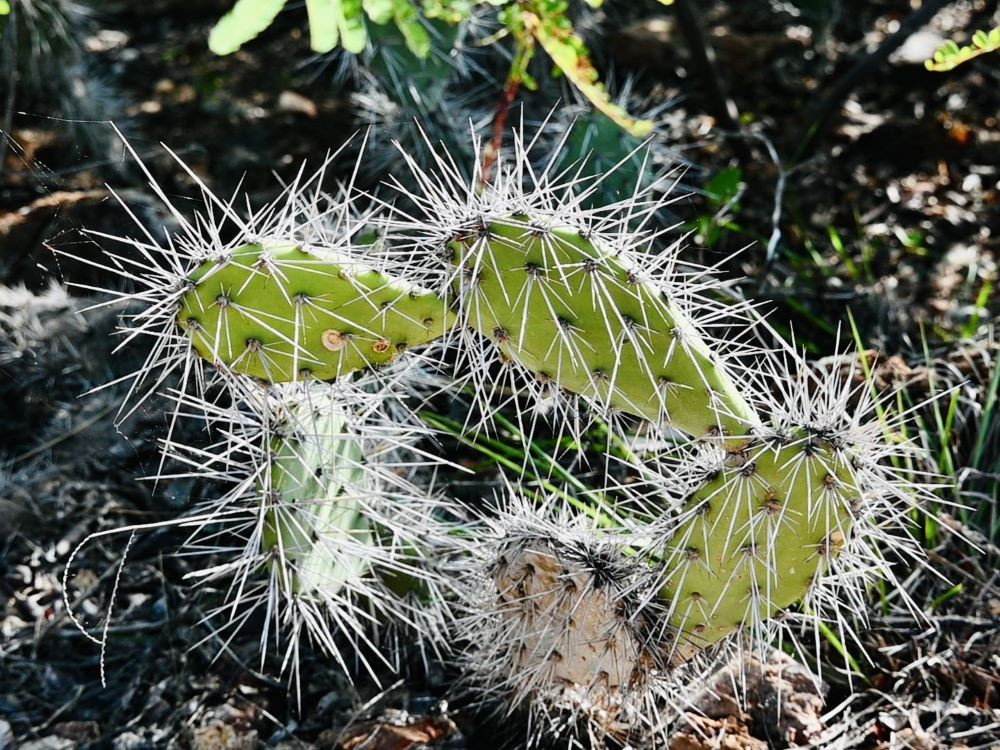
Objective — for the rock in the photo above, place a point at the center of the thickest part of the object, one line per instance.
(783, 698)
(715, 734)
(219, 736)
(131, 741)
(78, 731)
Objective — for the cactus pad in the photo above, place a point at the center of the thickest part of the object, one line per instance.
(763, 526)
(315, 521)
(282, 312)
(573, 311)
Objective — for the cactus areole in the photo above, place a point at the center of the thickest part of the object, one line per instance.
(575, 312)
(281, 312)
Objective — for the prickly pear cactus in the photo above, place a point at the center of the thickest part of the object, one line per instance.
(577, 313)
(314, 509)
(763, 526)
(555, 621)
(282, 312)
(793, 522)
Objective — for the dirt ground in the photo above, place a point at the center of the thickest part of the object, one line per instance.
(891, 214)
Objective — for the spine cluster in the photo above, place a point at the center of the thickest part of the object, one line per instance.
(765, 492)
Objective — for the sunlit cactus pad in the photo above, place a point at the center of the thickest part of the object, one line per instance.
(575, 313)
(281, 312)
(759, 531)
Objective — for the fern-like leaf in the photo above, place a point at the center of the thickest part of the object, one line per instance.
(949, 55)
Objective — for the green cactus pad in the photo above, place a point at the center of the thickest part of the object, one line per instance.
(314, 515)
(759, 533)
(280, 312)
(572, 311)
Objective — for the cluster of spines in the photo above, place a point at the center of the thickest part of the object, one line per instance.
(324, 530)
(554, 622)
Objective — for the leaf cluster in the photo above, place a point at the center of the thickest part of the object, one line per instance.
(949, 55)
(334, 23)
(531, 23)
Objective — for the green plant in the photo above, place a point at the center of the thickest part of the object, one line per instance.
(544, 23)
(722, 194)
(334, 23)
(761, 506)
(949, 55)
(283, 312)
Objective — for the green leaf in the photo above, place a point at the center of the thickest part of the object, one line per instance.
(557, 38)
(353, 33)
(4, 8)
(244, 22)
(418, 41)
(724, 186)
(324, 31)
(949, 55)
(379, 11)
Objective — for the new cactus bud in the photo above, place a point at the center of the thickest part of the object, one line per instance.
(281, 312)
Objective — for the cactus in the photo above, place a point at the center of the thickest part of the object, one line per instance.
(756, 534)
(798, 515)
(329, 534)
(283, 312)
(795, 484)
(554, 620)
(324, 527)
(577, 297)
(565, 306)
(570, 308)
(314, 493)
(293, 296)
(777, 505)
